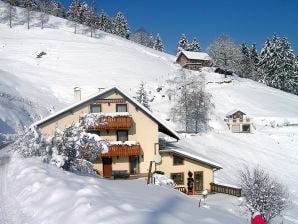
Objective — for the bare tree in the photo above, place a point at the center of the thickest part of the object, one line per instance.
(10, 12)
(225, 54)
(43, 14)
(263, 193)
(192, 103)
(30, 6)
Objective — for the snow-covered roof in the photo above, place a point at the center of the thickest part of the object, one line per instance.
(195, 55)
(233, 112)
(193, 156)
(162, 127)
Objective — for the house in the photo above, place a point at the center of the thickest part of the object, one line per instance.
(133, 135)
(177, 162)
(238, 122)
(193, 60)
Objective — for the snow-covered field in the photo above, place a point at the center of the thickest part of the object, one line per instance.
(32, 192)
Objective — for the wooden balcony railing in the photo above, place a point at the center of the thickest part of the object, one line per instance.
(113, 123)
(123, 150)
(218, 188)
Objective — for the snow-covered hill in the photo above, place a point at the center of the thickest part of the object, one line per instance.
(32, 87)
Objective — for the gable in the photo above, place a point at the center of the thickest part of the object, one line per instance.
(109, 98)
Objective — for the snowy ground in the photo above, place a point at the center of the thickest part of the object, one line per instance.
(34, 192)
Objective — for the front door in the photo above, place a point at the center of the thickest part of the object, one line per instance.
(107, 166)
(134, 164)
(198, 181)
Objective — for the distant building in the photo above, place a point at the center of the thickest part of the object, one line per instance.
(238, 122)
(193, 60)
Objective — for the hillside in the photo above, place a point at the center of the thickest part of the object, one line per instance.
(32, 87)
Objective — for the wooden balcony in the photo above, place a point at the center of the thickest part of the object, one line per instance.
(123, 150)
(219, 188)
(113, 123)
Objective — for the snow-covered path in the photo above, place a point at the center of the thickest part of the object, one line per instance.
(10, 212)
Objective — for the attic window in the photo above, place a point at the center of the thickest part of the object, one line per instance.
(95, 108)
(177, 160)
(121, 108)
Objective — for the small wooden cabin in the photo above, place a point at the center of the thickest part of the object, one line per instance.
(193, 60)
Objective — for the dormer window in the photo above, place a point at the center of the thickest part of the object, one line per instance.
(95, 108)
(121, 108)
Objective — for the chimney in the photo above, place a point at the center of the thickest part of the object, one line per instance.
(77, 94)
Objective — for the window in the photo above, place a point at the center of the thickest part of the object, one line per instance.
(177, 160)
(178, 178)
(246, 128)
(121, 108)
(95, 108)
(122, 136)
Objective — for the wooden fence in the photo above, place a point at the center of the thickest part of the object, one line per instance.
(218, 188)
(181, 189)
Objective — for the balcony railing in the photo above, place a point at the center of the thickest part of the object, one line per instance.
(113, 123)
(123, 150)
(219, 188)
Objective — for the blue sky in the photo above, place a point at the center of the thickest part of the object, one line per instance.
(242, 20)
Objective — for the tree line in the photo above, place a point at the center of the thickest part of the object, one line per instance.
(78, 14)
(275, 66)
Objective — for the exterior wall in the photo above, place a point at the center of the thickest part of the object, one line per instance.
(64, 120)
(144, 131)
(237, 122)
(182, 59)
(189, 165)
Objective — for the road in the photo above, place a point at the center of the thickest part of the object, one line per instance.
(10, 210)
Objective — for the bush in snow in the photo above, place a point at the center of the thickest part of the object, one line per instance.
(263, 193)
(162, 180)
(73, 149)
(73, 145)
(31, 144)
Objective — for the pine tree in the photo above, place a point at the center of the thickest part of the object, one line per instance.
(158, 45)
(254, 57)
(287, 68)
(73, 13)
(195, 46)
(121, 27)
(104, 22)
(83, 12)
(264, 63)
(182, 44)
(58, 9)
(245, 62)
(91, 18)
(142, 96)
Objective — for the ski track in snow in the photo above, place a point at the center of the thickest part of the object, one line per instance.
(10, 210)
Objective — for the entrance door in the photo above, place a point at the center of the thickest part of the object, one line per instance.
(107, 166)
(198, 181)
(134, 164)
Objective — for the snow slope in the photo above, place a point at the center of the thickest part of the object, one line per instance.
(91, 63)
(34, 192)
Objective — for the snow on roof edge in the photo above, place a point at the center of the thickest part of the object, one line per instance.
(173, 132)
(194, 157)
